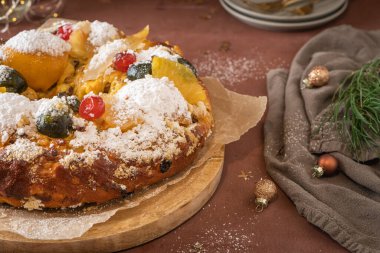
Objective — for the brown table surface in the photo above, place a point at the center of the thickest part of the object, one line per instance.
(228, 222)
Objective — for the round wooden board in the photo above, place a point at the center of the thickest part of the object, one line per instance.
(128, 228)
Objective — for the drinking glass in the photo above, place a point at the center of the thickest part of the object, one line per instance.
(13, 11)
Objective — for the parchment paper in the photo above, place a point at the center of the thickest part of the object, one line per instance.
(234, 115)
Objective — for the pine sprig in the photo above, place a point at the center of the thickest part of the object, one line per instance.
(356, 108)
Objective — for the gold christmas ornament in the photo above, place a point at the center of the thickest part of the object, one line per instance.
(317, 77)
(327, 166)
(265, 192)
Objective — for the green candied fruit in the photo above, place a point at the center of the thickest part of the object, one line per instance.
(185, 62)
(54, 118)
(139, 70)
(12, 80)
(54, 126)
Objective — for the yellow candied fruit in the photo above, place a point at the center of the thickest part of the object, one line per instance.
(67, 73)
(65, 82)
(184, 79)
(40, 71)
(63, 88)
(139, 39)
(80, 48)
(85, 87)
(115, 87)
(3, 90)
(115, 81)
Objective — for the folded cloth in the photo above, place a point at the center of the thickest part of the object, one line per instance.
(346, 206)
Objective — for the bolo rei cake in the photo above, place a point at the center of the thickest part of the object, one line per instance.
(89, 114)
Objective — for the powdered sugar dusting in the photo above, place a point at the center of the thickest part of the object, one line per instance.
(54, 106)
(78, 122)
(23, 149)
(151, 140)
(125, 172)
(35, 41)
(88, 158)
(13, 108)
(101, 33)
(152, 96)
(232, 70)
(235, 233)
(160, 51)
(126, 110)
(84, 26)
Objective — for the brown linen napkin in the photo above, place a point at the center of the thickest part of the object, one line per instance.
(346, 206)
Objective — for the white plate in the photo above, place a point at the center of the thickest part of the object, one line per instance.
(321, 9)
(282, 26)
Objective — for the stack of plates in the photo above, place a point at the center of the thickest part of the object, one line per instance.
(323, 12)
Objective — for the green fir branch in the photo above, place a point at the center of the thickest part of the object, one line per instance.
(356, 108)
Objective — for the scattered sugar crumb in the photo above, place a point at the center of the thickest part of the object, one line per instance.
(197, 248)
(33, 204)
(4, 73)
(126, 172)
(232, 235)
(76, 206)
(220, 240)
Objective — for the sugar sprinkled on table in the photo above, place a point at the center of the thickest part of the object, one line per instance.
(232, 69)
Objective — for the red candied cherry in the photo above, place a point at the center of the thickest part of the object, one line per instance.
(123, 60)
(64, 31)
(92, 107)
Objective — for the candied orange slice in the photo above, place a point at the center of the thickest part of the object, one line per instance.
(184, 79)
(136, 41)
(40, 71)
